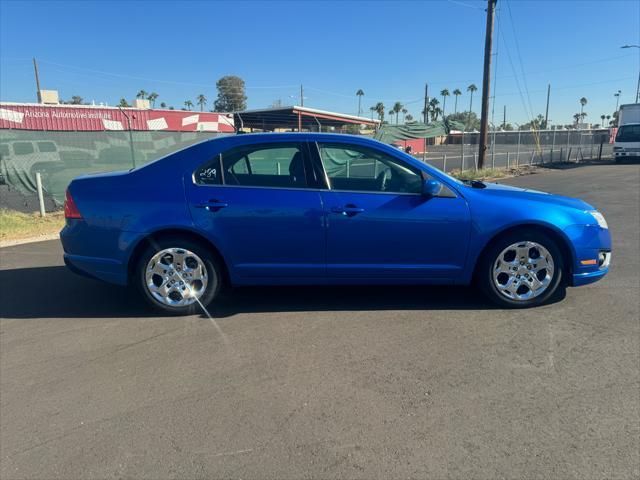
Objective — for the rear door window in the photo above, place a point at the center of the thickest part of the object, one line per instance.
(282, 165)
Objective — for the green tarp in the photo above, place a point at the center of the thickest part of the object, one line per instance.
(412, 131)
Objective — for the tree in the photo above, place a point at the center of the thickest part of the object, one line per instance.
(75, 100)
(359, 94)
(397, 108)
(576, 117)
(432, 106)
(445, 94)
(373, 110)
(163, 105)
(231, 96)
(152, 98)
(507, 127)
(391, 113)
(457, 93)
(123, 103)
(608, 117)
(188, 104)
(404, 114)
(409, 118)
(380, 110)
(435, 113)
(471, 88)
(583, 102)
(471, 121)
(141, 94)
(202, 101)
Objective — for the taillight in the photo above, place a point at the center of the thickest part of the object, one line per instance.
(70, 209)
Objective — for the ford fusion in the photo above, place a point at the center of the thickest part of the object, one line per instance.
(322, 209)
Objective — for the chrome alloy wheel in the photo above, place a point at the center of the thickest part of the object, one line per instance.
(176, 277)
(523, 271)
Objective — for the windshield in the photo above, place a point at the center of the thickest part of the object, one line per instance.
(628, 133)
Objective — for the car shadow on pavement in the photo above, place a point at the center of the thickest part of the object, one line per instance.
(55, 292)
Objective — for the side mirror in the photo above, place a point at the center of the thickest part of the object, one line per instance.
(431, 188)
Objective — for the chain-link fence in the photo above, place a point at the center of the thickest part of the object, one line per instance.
(61, 156)
(516, 148)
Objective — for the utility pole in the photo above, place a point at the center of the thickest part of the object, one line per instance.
(425, 114)
(546, 113)
(504, 118)
(486, 79)
(35, 68)
(301, 96)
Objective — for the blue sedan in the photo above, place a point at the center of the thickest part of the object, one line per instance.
(322, 209)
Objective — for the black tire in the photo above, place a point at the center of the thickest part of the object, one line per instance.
(215, 276)
(484, 272)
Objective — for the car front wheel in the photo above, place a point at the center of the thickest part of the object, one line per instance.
(178, 277)
(522, 269)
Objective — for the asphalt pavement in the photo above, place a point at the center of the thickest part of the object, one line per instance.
(348, 382)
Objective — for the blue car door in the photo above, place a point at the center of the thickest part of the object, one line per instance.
(379, 225)
(255, 203)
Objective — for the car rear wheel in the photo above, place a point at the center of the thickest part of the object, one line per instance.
(522, 269)
(178, 277)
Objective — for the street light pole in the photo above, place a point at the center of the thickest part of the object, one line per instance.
(638, 87)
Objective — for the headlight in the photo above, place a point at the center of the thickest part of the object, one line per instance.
(599, 218)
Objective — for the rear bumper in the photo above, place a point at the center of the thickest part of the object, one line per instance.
(103, 269)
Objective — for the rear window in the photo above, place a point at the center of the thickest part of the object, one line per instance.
(22, 148)
(628, 133)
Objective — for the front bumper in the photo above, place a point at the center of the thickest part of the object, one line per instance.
(592, 253)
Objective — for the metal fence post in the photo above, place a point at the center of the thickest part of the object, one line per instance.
(533, 152)
(508, 155)
(40, 194)
(518, 150)
(600, 151)
(444, 162)
(561, 154)
(475, 161)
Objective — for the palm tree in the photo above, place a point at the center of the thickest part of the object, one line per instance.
(141, 94)
(188, 104)
(380, 110)
(163, 105)
(436, 112)
(576, 117)
(457, 93)
(602, 117)
(433, 104)
(445, 94)
(582, 115)
(583, 102)
(152, 98)
(359, 94)
(202, 101)
(404, 114)
(471, 88)
(373, 109)
(391, 114)
(397, 108)
(409, 118)
(123, 103)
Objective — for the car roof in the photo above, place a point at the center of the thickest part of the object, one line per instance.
(294, 136)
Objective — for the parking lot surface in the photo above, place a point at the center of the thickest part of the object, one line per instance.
(327, 382)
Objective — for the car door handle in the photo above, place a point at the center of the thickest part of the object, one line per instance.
(213, 205)
(347, 210)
